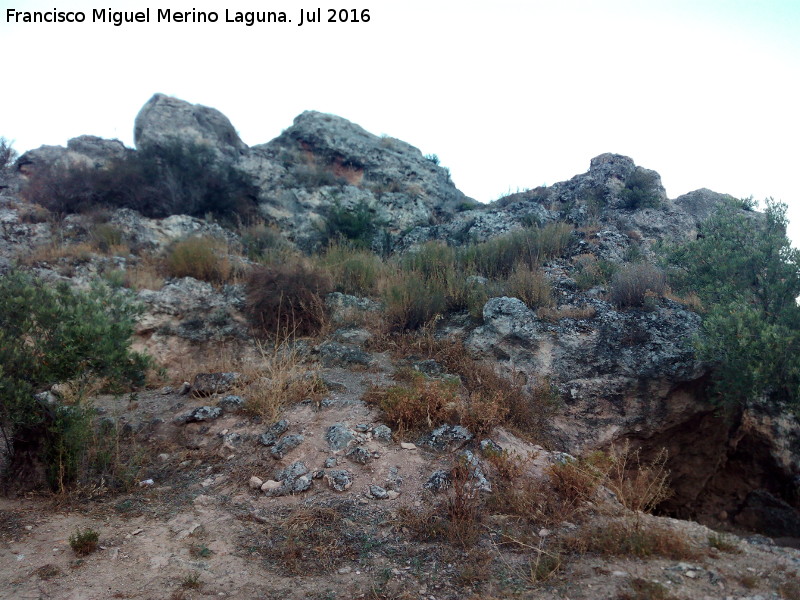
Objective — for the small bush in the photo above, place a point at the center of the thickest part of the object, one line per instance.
(84, 541)
(531, 246)
(529, 285)
(639, 486)
(631, 285)
(263, 243)
(723, 543)
(200, 257)
(424, 404)
(641, 190)
(287, 299)
(412, 301)
(354, 271)
(631, 537)
(357, 226)
(50, 335)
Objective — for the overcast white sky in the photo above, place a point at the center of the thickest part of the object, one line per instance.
(508, 94)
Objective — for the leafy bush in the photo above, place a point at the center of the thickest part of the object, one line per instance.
(84, 541)
(50, 335)
(631, 285)
(356, 226)
(747, 275)
(168, 179)
(641, 190)
(288, 298)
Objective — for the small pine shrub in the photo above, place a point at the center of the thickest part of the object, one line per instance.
(356, 226)
(287, 299)
(632, 284)
(84, 542)
(641, 190)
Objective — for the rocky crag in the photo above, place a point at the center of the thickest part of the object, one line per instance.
(621, 375)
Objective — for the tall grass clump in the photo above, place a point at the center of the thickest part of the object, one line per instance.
(354, 271)
(632, 284)
(288, 298)
(529, 285)
(201, 257)
(497, 257)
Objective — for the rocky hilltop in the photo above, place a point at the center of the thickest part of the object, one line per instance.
(550, 324)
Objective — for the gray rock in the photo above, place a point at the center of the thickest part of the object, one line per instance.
(359, 455)
(285, 445)
(378, 492)
(476, 473)
(344, 307)
(292, 472)
(338, 436)
(438, 481)
(334, 354)
(231, 403)
(446, 436)
(164, 119)
(330, 462)
(490, 447)
(199, 414)
(382, 433)
(428, 367)
(294, 479)
(275, 431)
(339, 480)
(207, 384)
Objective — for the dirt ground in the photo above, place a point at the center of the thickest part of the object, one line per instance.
(200, 531)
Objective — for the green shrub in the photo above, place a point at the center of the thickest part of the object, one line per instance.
(288, 299)
(168, 179)
(51, 334)
(641, 190)
(632, 284)
(356, 226)
(747, 275)
(84, 541)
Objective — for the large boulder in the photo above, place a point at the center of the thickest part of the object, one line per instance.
(164, 119)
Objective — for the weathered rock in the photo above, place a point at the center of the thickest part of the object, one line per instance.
(490, 447)
(199, 414)
(338, 436)
(378, 492)
(438, 481)
(344, 308)
(334, 354)
(272, 434)
(769, 515)
(339, 480)
(164, 119)
(359, 455)
(231, 403)
(208, 384)
(428, 367)
(446, 436)
(255, 483)
(476, 474)
(382, 433)
(285, 445)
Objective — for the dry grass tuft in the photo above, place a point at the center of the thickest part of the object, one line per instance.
(203, 258)
(642, 589)
(631, 537)
(639, 486)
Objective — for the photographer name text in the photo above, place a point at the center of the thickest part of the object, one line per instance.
(119, 18)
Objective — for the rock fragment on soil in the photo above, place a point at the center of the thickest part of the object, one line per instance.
(359, 455)
(438, 481)
(231, 403)
(378, 492)
(208, 384)
(285, 445)
(338, 436)
(446, 436)
(382, 433)
(199, 414)
(272, 434)
(339, 480)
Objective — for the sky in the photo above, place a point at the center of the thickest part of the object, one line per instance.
(509, 94)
